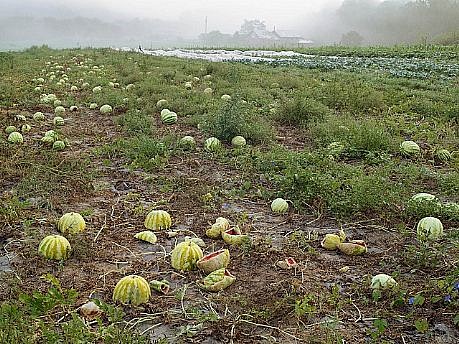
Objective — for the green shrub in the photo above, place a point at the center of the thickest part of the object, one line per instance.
(342, 189)
(359, 137)
(449, 183)
(110, 96)
(419, 209)
(234, 118)
(302, 111)
(347, 94)
(427, 104)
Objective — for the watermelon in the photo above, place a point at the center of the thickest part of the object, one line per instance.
(133, 290)
(55, 247)
(185, 256)
(169, 118)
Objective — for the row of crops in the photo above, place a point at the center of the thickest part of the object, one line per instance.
(396, 66)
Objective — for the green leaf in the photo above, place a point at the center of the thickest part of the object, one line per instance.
(435, 299)
(418, 300)
(380, 324)
(422, 325)
(376, 295)
(53, 280)
(441, 284)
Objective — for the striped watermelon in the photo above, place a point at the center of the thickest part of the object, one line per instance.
(59, 110)
(169, 117)
(423, 197)
(72, 223)
(105, 109)
(59, 145)
(132, 289)
(26, 128)
(214, 261)
(429, 228)
(212, 144)
(234, 236)
(238, 141)
(55, 247)
(221, 224)
(147, 236)
(352, 248)
(158, 219)
(9, 129)
(162, 103)
(443, 155)
(15, 137)
(38, 116)
(217, 280)
(279, 205)
(58, 120)
(187, 142)
(185, 256)
(409, 148)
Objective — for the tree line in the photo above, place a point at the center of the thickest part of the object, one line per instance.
(392, 22)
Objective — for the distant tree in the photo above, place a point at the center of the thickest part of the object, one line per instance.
(398, 21)
(351, 38)
(449, 38)
(215, 37)
(250, 26)
(358, 13)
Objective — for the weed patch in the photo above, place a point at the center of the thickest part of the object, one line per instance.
(233, 119)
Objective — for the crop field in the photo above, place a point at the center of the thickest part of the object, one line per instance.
(359, 148)
(413, 64)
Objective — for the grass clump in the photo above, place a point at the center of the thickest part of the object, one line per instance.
(140, 151)
(346, 93)
(135, 122)
(342, 189)
(360, 137)
(233, 119)
(302, 111)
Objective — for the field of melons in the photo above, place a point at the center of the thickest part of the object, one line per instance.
(161, 200)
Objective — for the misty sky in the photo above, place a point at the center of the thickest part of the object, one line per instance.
(223, 15)
(163, 23)
(218, 11)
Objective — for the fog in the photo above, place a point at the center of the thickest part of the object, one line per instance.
(389, 22)
(218, 23)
